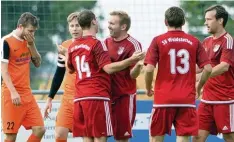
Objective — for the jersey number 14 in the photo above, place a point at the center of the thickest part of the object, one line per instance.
(82, 66)
(184, 59)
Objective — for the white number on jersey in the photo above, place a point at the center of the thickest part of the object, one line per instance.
(184, 55)
(82, 66)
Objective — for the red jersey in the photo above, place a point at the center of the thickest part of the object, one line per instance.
(220, 89)
(177, 54)
(88, 56)
(121, 82)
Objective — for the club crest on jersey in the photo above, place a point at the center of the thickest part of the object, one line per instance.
(216, 48)
(120, 51)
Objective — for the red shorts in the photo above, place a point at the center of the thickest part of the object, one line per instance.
(184, 120)
(216, 118)
(92, 118)
(27, 114)
(124, 113)
(64, 117)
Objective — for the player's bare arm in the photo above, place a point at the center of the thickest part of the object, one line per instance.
(204, 77)
(36, 57)
(136, 70)
(7, 79)
(219, 69)
(149, 73)
(118, 66)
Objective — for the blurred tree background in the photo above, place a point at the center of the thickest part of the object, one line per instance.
(195, 13)
(53, 29)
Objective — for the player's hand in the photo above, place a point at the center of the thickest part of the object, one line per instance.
(137, 56)
(15, 97)
(61, 50)
(149, 93)
(30, 38)
(140, 63)
(48, 108)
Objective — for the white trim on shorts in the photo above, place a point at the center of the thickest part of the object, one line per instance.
(174, 105)
(217, 102)
(231, 113)
(109, 128)
(131, 106)
(92, 98)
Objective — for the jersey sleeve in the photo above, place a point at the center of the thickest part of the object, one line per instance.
(202, 57)
(152, 55)
(228, 52)
(101, 54)
(5, 51)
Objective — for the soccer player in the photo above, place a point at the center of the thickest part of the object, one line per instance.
(216, 110)
(123, 84)
(89, 58)
(176, 54)
(19, 107)
(64, 119)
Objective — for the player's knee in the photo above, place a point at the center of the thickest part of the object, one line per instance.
(228, 137)
(39, 131)
(199, 139)
(61, 133)
(11, 137)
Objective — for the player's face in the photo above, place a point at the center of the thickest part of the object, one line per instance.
(29, 29)
(75, 29)
(114, 26)
(211, 22)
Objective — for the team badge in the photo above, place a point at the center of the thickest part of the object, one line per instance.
(120, 51)
(216, 48)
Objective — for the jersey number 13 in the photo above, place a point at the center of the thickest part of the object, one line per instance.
(184, 59)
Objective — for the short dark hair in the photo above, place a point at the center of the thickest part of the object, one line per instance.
(28, 18)
(175, 17)
(220, 13)
(85, 18)
(124, 18)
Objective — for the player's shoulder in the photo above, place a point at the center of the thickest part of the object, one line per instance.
(229, 41)
(206, 39)
(191, 37)
(228, 37)
(134, 42)
(67, 43)
(7, 37)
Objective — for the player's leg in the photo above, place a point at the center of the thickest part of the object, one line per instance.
(160, 123)
(206, 123)
(64, 120)
(182, 138)
(101, 139)
(224, 118)
(88, 139)
(33, 120)
(228, 137)
(12, 117)
(126, 108)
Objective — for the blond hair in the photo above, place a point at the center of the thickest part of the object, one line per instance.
(72, 16)
(124, 18)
